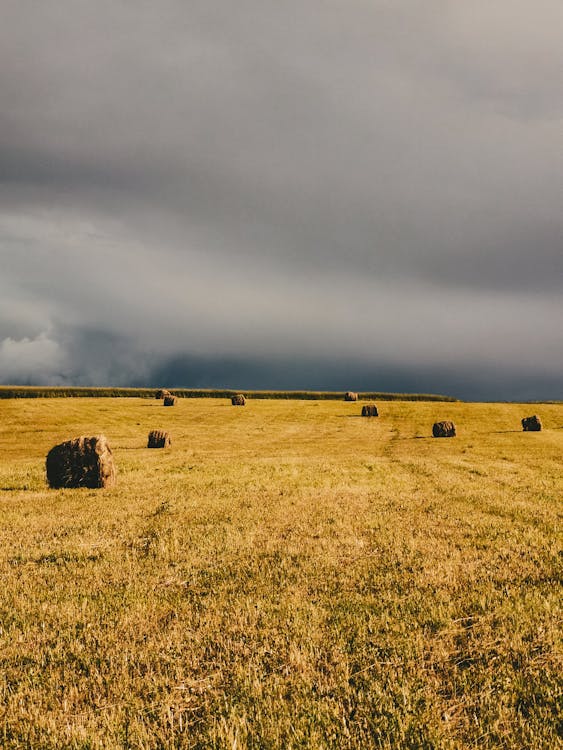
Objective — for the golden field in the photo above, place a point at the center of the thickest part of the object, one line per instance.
(287, 575)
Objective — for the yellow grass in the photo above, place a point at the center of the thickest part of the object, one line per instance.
(286, 575)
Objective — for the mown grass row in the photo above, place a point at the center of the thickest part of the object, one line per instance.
(9, 391)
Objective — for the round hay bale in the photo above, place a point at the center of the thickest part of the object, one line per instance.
(370, 410)
(531, 424)
(158, 439)
(351, 396)
(81, 462)
(162, 393)
(170, 400)
(443, 429)
(238, 400)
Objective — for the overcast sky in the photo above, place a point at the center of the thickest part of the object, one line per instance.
(307, 193)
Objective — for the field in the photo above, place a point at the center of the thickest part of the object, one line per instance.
(288, 575)
(26, 391)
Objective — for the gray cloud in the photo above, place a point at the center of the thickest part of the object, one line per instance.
(378, 182)
(39, 360)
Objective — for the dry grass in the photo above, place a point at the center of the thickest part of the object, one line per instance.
(288, 575)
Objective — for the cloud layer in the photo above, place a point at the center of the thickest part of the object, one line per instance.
(349, 190)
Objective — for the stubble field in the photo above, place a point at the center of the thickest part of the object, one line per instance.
(287, 575)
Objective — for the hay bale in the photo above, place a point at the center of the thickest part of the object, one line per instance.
(351, 396)
(531, 424)
(81, 462)
(158, 439)
(370, 410)
(238, 400)
(170, 400)
(162, 393)
(443, 429)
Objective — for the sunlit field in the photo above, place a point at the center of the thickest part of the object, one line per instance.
(287, 575)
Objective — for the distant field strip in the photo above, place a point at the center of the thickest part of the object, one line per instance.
(8, 391)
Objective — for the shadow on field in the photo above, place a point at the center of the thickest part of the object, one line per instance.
(415, 437)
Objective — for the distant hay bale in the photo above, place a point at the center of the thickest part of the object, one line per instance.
(238, 400)
(170, 400)
(162, 393)
(443, 429)
(531, 424)
(158, 439)
(351, 396)
(370, 410)
(81, 462)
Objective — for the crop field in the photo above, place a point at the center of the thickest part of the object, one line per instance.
(286, 575)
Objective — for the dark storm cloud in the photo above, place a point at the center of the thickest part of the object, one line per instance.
(377, 182)
(338, 375)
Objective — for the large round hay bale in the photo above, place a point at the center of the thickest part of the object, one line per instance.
(351, 396)
(370, 410)
(158, 439)
(238, 400)
(443, 429)
(162, 393)
(170, 400)
(81, 462)
(531, 424)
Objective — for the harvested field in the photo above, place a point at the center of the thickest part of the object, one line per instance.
(287, 576)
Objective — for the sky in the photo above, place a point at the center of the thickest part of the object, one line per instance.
(329, 194)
